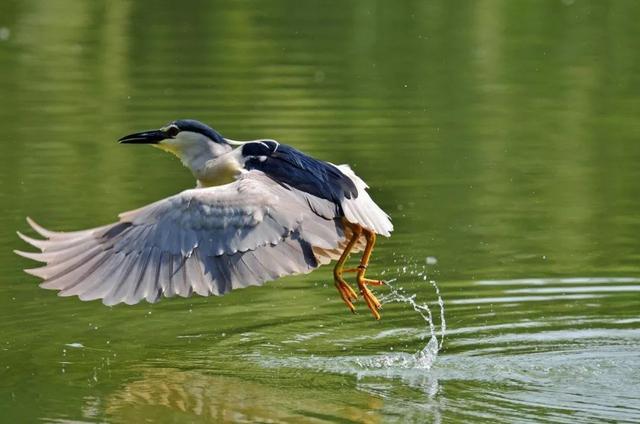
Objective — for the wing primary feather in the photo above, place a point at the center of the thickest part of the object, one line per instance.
(39, 244)
(211, 268)
(103, 282)
(58, 235)
(179, 276)
(62, 282)
(226, 281)
(198, 279)
(34, 256)
(134, 295)
(121, 281)
(166, 271)
(151, 289)
(51, 271)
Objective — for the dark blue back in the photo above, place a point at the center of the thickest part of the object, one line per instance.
(291, 167)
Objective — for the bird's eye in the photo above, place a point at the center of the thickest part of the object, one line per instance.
(172, 131)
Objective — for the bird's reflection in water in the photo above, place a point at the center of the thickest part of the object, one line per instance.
(164, 394)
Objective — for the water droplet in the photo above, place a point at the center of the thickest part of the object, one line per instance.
(5, 33)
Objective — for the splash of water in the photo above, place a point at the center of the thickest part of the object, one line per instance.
(424, 358)
(443, 322)
(407, 366)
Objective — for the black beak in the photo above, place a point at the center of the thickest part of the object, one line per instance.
(145, 137)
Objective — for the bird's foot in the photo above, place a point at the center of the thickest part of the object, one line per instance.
(346, 292)
(372, 302)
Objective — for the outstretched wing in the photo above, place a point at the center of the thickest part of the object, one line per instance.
(207, 241)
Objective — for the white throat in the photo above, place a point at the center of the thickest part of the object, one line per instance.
(210, 163)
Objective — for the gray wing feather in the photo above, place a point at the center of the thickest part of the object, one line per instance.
(196, 274)
(87, 285)
(122, 278)
(220, 274)
(204, 241)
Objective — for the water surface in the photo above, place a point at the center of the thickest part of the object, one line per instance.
(501, 136)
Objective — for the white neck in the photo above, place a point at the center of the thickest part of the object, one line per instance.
(220, 170)
(210, 163)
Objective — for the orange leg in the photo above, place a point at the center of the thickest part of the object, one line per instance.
(372, 301)
(346, 292)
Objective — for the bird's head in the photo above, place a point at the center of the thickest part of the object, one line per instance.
(188, 139)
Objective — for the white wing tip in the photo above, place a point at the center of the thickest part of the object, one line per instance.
(40, 244)
(37, 272)
(38, 228)
(34, 256)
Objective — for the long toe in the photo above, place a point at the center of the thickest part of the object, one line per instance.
(347, 293)
(373, 305)
(373, 282)
(372, 302)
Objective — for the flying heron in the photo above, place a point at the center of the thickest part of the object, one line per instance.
(261, 210)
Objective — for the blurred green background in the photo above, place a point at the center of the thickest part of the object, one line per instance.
(501, 136)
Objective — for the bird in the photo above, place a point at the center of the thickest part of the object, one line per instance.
(260, 210)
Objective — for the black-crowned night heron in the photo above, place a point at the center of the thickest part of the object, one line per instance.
(261, 210)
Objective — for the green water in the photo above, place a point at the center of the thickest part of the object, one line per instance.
(503, 137)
